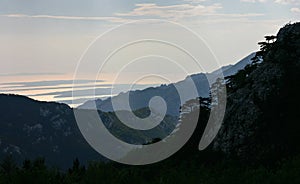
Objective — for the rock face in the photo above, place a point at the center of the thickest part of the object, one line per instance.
(261, 122)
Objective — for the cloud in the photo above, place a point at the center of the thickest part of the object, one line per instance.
(144, 10)
(180, 11)
(37, 88)
(236, 15)
(195, 1)
(108, 19)
(175, 12)
(254, 1)
(29, 74)
(283, 2)
(295, 10)
(49, 83)
(91, 92)
(171, 11)
(295, 2)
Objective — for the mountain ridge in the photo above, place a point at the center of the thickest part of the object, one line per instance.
(140, 98)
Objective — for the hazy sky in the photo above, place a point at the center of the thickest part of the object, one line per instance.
(49, 36)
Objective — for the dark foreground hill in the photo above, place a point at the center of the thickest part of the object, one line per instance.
(262, 120)
(31, 129)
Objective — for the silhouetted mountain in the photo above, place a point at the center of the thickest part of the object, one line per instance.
(140, 98)
(31, 129)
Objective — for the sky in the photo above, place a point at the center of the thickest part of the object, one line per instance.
(50, 40)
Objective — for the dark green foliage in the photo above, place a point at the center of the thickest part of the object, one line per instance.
(8, 165)
(190, 172)
(238, 80)
(32, 172)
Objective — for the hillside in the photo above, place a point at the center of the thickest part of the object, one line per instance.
(261, 122)
(31, 129)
